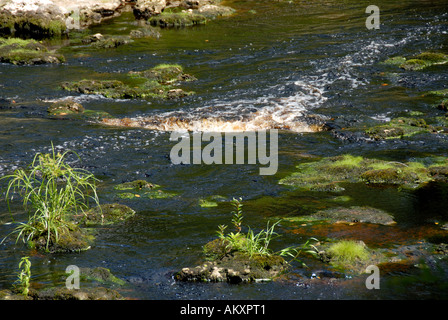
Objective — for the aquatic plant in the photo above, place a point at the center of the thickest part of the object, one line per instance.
(23, 282)
(18, 51)
(256, 245)
(50, 189)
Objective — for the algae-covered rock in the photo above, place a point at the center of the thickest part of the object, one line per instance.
(233, 266)
(418, 62)
(177, 19)
(140, 189)
(355, 215)
(70, 239)
(101, 275)
(22, 52)
(153, 83)
(399, 128)
(104, 215)
(328, 174)
(67, 108)
(62, 293)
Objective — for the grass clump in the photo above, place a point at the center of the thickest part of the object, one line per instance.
(51, 190)
(255, 245)
(348, 252)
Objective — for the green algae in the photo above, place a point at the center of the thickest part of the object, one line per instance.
(24, 52)
(153, 83)
(399, 128)
(418, 62)
(329, 174)
(105, 214)
(138, 189)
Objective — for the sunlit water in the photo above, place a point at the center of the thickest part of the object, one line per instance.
(270, 68)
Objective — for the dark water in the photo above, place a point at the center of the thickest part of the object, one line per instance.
(244, 63)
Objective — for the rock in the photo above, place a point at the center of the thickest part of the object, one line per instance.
(64, 107)
(355, 214)
(147, 32)
(27, 52)
(105, 214)
(152, 83)
(177, 19)
(62, 293)
(212, 11)
(144, 9)
(49, 18)
(235, 267)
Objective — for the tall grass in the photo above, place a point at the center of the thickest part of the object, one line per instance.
(50, 189)
(258, 243)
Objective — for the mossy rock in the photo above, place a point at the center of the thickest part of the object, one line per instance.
(414, 64)
(73, 110)
(153, 83)
(62, 293)
(354, 215)
(111, 42)
(419, 62)
(139, 189)
(71, 239)
(105, 214)
(27, 52)
(31, 25)
(235, 267)
(399, 128)
(101, 275)
(333, 171)
(177, 19)
(165, 74)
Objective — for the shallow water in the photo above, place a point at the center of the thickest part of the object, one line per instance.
(297, 58)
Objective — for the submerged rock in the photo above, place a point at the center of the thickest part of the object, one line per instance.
(355, 214)
(105, 214)
(141, 189)
(21, 52)
(177, 19)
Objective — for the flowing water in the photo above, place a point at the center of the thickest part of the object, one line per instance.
(275, 64)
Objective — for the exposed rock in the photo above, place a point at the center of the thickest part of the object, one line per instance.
(48, 18)
(144, 9)
(355, 214)
(29, 52)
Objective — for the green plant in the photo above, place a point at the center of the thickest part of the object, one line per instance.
(24, 275)
(348, 251)
(253, 243)
(50, 189)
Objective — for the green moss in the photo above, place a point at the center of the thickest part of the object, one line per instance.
(31, 26)
(142, 189)
(419, 62)
(19, 52)
(440, 93)
(153, 83)
(329, 173)
(399, 128)
(101, 275)
(177, 19)
(414, 64)
(74, 110)
(395, 61)
(104, 215)
(348, 252)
